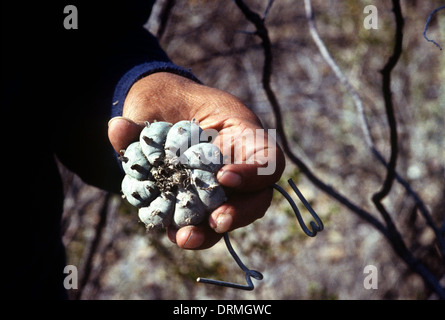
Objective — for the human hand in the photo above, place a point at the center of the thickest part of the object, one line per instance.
(168, 97)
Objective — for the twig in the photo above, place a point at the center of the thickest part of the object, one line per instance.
(338, 73)
(420, 205)
(389, 107)
(394, 236)
(269, 5)
(426, 27)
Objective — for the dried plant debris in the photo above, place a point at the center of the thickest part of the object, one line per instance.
(171, 175)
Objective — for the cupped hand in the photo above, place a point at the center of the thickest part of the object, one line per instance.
(253, 161)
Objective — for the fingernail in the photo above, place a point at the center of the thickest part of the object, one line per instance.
(188, 239)
(229, 178)
(120, 118)
(223, 222)
(194, 240)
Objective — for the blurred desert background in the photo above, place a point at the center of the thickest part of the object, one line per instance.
(117, 259)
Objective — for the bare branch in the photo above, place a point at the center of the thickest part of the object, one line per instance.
(390, 231)
(387, 96)
(338, 73)
(266, 12)
(363, 122)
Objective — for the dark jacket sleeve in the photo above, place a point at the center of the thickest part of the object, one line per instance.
(59, 89)
(107, 60)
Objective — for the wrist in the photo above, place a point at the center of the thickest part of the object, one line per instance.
(159, 96)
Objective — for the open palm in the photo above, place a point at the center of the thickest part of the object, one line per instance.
(253, 161)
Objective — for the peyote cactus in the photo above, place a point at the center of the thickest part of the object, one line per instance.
(170, 175)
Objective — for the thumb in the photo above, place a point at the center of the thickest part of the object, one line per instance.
(123, 131)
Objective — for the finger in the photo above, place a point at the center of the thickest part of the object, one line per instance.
(240, 210)
(122, 131)
(194, 237)
(250, 177)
